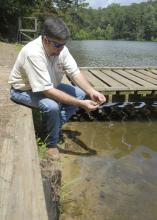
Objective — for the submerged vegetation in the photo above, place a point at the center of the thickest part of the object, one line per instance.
(133, 22)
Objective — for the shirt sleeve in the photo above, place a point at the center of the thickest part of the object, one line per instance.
(37, 72)
(69, 64)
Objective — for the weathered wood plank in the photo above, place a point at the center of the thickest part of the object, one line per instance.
(111, 80)
(138, 77)
(21, 190)
(147, 73)
(144, 93)
(97, 83)
(108, 80)
(119, 67)
(140, 82)
(120, 78)
(153, 71)
(144, 77)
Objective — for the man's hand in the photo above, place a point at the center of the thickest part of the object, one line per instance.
(97, 97)
(88, 105)
(82, 82)
(65, 98)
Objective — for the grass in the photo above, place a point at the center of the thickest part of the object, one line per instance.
(41, 148)
(37, 119)
(65, 188)
(65, 193)
(18, 46)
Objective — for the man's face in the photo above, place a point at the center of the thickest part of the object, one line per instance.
(54, 46)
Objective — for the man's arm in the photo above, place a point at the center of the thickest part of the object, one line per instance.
(82, 82)
(65, 98)
(74, 73)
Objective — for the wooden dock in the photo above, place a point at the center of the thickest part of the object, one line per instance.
(118, 81)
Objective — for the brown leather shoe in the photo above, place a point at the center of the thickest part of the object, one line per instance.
(53, 153)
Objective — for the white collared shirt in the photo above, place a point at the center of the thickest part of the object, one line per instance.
(34, 70)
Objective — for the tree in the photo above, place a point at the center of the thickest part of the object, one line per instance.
(10, 11)
(150, 22)
(82, 35)
(109, 32)
(133, 22)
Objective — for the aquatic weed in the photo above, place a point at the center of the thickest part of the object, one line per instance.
(65, 193)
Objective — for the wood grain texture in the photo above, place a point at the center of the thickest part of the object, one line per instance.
(122, 79)
(21, 189)
(117, 79)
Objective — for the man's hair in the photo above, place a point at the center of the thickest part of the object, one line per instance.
(55, 28)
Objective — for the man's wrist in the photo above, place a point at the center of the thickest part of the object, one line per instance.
(91, 92)
(80, 103)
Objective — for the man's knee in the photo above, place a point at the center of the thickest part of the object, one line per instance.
(48, 105)
(80, 94)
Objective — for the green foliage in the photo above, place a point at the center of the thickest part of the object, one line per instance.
(109, 32)
(18, 46)
(10, 11)
(154, 39)
(41, 148)
(134, 22)
(82, 35)
(65, 194)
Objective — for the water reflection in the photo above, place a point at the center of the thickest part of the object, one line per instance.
(74, 136)
(112, 164)
(116, 138)
(120, 181)
(114, 53)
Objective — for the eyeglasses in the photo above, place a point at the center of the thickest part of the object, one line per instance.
(55, 44)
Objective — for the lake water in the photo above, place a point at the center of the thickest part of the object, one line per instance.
(109, 167)
(114, 53)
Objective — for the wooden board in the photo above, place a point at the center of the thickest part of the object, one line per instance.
(147, 73)
(153, 71)
(21, 189)
(108, 80)
(96, 82)
(138, 81)
(116, 79)
(144, 77)
(130, 85)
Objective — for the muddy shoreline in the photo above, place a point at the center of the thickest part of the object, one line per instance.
(52, 171)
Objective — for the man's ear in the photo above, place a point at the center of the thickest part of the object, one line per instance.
(45, 40)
